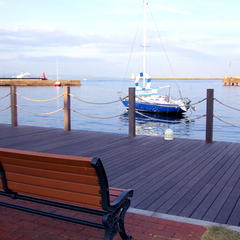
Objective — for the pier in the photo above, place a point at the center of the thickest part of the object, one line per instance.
(182, 79)
(185, 178)
(231, 81)
(36, 82)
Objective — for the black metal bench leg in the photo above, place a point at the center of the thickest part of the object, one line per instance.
(114, 222)
(122, 231)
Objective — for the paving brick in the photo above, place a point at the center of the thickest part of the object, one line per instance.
(74, 235)
(165, 233)
(48, 221)
(49, 236)
(152, 225)
(169, 222)
(93, 232)
(51, 230)
(144, 218)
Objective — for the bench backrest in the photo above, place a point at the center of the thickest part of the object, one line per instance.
(65, 178)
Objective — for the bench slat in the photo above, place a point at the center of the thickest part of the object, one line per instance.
(54, 184)
(79, 178)
(46, 157)
(59, 195)
(114, 193)
(88, 170)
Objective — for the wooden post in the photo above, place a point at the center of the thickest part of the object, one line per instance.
(14, 118)
(209, 117)
(67, 115)
(131, 113)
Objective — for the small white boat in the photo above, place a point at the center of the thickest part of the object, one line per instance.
(23, 75)
(148, 99)
(84, 79)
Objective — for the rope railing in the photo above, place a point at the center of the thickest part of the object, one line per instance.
(85, 115)
(225, 121)
(5, 96)
(169, 121)
(40, 113)
(47, 100)
(220, 119)
(67, 109)
(5, 108)
(226, 105)
(192, 104)
(93, 102)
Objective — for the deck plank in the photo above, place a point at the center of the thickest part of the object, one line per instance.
(183, 177)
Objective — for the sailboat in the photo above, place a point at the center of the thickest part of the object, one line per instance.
(148, 99)
(57, 83)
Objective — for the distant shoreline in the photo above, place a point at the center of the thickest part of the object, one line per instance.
(36, 82)
(182, 79)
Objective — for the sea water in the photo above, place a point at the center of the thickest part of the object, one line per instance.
(95, 109)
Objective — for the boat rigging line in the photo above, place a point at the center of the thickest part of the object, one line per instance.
(164, 50)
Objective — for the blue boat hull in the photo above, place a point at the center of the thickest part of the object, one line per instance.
(148, 107)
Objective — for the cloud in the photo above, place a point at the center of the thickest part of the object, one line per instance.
(61, 59)
(27, 37)
(157, 7)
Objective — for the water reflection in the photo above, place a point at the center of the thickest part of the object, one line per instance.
(156, 124)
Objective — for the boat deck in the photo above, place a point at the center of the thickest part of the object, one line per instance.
(183, 177)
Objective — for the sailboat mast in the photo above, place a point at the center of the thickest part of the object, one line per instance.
(144, 42)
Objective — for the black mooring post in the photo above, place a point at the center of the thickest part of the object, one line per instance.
(209, 117)
(131, 113)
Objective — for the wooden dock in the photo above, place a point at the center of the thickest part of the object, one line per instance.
(36, 82)
(182, 177)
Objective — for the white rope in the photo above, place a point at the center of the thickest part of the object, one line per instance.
(40, 100)
(169, 121)
(226, 105)
(5, 108)
(225, 121)
(97, 117)
(92, 102)
(40, 113)
(198, 102)
(5, 96)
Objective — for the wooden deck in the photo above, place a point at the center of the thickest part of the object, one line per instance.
(183, 177)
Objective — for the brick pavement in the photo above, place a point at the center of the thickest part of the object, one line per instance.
(15, 224)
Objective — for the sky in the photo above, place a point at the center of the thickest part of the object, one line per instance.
(103, 38)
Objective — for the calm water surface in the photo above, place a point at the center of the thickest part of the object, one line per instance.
(99, 91)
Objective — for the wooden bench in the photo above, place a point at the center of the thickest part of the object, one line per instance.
(69, 182)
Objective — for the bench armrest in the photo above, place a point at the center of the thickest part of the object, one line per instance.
(121, 199)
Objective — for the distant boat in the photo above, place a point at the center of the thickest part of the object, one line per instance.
(23, 75)
(148, 99)
(84, 79)
(57, 83)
